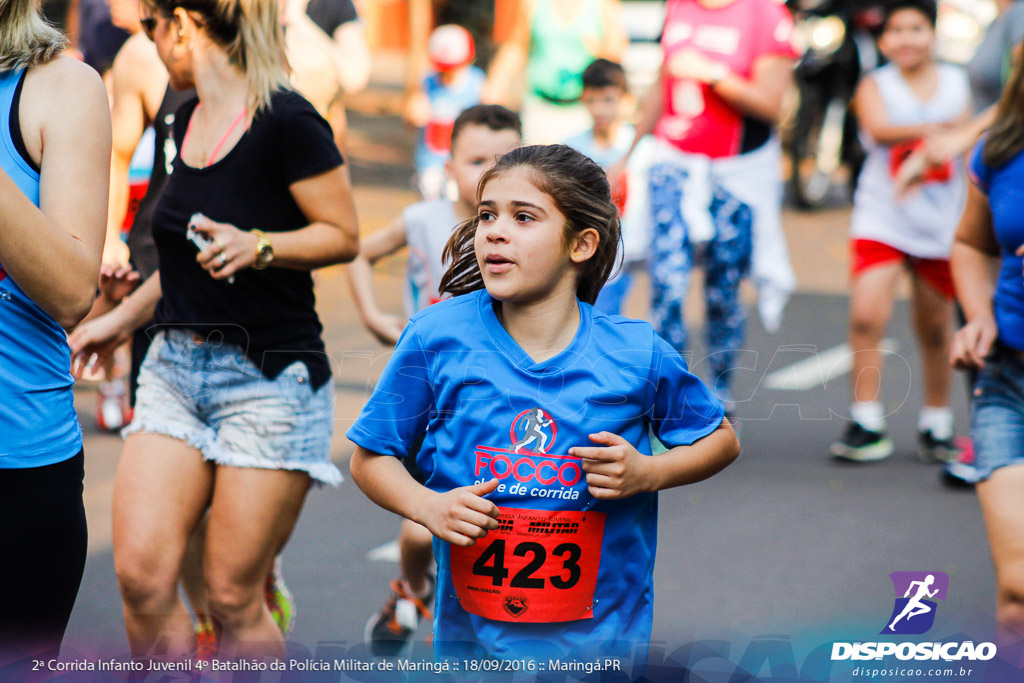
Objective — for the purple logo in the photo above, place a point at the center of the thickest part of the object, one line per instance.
(916, 593)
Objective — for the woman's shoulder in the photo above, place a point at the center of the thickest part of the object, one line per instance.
(66, 79)
(287, 103)
(66, 94)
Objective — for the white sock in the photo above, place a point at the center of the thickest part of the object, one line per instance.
(871, 415)
(938, 420)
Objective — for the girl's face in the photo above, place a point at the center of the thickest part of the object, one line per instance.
(907, 39)
(519, 245)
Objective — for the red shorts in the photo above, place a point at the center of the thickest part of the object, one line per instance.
(865, 254)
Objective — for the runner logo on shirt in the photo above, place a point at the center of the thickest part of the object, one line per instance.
(530, 428)
(528, 462)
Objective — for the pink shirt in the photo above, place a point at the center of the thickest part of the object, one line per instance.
(694, 118)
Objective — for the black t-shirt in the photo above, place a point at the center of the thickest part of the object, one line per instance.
(330, 14)
(270, 314)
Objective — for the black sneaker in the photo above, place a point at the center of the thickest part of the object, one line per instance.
(390, 630)
(862, 445)
(932, 450)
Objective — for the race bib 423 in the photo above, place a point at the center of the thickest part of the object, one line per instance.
(538, 566)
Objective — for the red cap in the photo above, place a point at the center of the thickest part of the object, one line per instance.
(450, 47)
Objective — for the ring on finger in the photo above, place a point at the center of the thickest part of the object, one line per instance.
(222, 259)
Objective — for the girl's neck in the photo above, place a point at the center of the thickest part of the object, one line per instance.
(222, 88)
(919, 71)
(543, 329)
(606, 138)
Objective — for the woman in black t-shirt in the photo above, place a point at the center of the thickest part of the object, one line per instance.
(235, 402)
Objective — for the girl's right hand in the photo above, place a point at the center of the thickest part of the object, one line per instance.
(96, 340)
(462, 515)
(972, 343)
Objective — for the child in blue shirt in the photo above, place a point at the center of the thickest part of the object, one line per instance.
(535, 412)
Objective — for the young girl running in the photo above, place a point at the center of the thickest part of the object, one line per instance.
(544, 546)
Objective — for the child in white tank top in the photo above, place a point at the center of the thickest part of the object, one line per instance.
(899, 106)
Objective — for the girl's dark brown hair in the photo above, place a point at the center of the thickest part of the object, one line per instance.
(580, 190)
(1005, 138)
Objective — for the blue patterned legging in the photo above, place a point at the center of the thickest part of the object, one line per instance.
(725, 258)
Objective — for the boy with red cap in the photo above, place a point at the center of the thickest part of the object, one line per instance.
(454, 85)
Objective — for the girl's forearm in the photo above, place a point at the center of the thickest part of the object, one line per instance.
(684, 465)
(385, 481)
(974, 275)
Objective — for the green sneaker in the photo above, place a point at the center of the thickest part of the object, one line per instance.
(862, 445)
(280, 600)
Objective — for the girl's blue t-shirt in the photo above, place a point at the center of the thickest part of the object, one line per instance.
(565, 572)
(1004, 187)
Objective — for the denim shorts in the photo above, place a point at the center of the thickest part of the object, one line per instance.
(997, 412)
(212, 396)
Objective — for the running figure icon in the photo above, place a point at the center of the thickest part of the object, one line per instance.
(914, 606)
(536, 421)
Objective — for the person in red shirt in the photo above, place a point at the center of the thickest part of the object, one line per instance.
(715, 190)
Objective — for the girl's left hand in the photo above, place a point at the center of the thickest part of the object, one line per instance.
(232, 250)
(615, 469)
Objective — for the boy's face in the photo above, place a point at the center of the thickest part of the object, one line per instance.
(604, 105)
(474, 151)
(907, 39)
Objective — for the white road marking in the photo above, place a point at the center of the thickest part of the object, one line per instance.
(814, 371)
(385, 553)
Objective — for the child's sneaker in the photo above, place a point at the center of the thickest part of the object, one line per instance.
(112, 411)
(962, 471)
(206, 641)
(280, 600)
(862, 445)
(390, 629)
(931, 449)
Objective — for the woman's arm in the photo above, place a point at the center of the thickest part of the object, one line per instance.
(136, 73)
(761, 96)
(331, 237)
(53, 251)
(974, 262)
(102, 335)
(615, 469)
(614, 39)
(346, 48)
(510, 59)
(650, 111)
(459, 516)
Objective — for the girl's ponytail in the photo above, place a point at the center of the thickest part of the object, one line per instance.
(258, 47)
(250, 32)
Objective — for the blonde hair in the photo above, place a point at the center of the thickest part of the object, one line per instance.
(250, 33)
(25, 38)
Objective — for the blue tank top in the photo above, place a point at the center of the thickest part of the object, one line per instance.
(38, 424)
